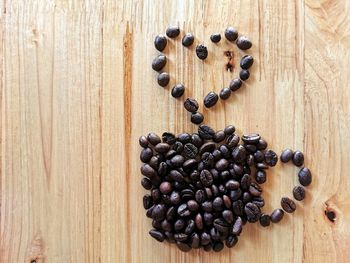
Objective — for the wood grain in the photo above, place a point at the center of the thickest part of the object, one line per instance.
(77, 91)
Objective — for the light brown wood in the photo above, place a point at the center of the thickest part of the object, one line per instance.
(77, 91)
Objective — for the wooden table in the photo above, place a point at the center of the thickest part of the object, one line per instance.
(78, 90)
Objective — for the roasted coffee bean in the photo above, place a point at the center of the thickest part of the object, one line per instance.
(202, 52)
(217, 155)
(221, 225)
(159, 62)
(160, 42)
(199, 221)
(187, 194)
(260, 176)
(231, 34)
(162, 147)
(146, 154)
(247, 197)
(143, 141)
(250, 148)
(170, 154)
(180, 237)
(218, 204)
(262, 144)
(177, 160)
(277, 215)
(224, 175)
(178, 90)
(190, 164)
(246, 62)
(159, 236)
(232, 185)
(178, 147)
(190, 151)
(194, 176)
(200, 196)
(166, 226)
(179, 225)
(235, 84)
(264, 220)
(163, 79)
(205, 132)
(227, 201)
(195, 241)
(205, 239)
(245, 182)
(183, 246)
(165, 187)
(259, 156)
(261, 166)
(229, 129)
(286, 155)
(184, 137)
(196, 140)
(215, 234)
(171, 213)
(232, 141)
(288, 205)
(153, 138)
(298, 158)
(238, 207)
(252, 138)
(146, 183)
(190, 227)
(305, 177)
(231, 241)
(239, 154)
(207, 206)
(208, 219)
(243, 43)
(259, 201)
(215, 38)
(158, 212)
(192, 205)
(250, 160)
(237, 227)
(227, 215)
(299, 193)
(215, 190)
(147, 201)
(219, 136)
(183, 210)
(148, 171)
(255, 189)
(225, 93)
(252, 211)
(156, 195)
(197, 117)
(176, 176)
(225, 151)
(211, 99)
(244, 74)
(172, 31)
(191, 105)
(221, 165)
(235, 194)
(218, 246)
(271, 158)
(168, 138)
(187, 40)
(206, 178)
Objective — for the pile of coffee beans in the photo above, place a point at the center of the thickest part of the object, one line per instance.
(210, 100)
(204, 187)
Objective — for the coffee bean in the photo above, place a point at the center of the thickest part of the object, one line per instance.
(231, 34)
(199, 221)
(227, 201)
(232, 141)
(200, 196)
(184, 137)
(251, 138)
(158, 212)
(176, 176)
(146, 155)
(207, 160)
(191, 105)
(197, 117)
(235, 84)
(178, 147)
(264, 220)
(246, 62)
(238, 207)
(245, 182)
(244, 74)
(160, 42)
(218, 204)
(227, 215)
(271, 158)
(219, 136)
(196, 140)
(190, 227)
(202, 52)
(299, 193)
(255, 189)
(166, 226)
(143, 141)
(206, 178)
(178, 90)
(221, 165)
(205, 132)
(153, 138)
(237, 226)
(298, 158)
(252, 211)
(208, 219)
(218, 246)
(262, 144)
(250, 148)
(231, 241)
(261, 166)
(239, 154)
(170, 154)
(146, 183)
(305, 177)
(180, 237)
(229, 129)
(187, 194)
(195, 241)
(259, 156)
(217, 155)
(156, 195)
(148, 171)
(205, 239)
(179, 225)
(147, 201)
(190, 164)
(165, 187)
(173, 31)
(190, 151)
(286, 155)
(183, 246)
(168, 138)
(288, 205)
(277, 215)
(215, 38)
(235, 194)
(163, 79)
(211, 99)
(260, 176)
(192, 205)
(183, 210)
(162, 147)
(159, 236)
(187, 40)
(243, 43)
(207, 206)
(177, 160)
(207, 147)
(232, 185)
(259, 201)
(247, 197)
(225, 93)
(159, 62)
(221, 225)
(162, 170)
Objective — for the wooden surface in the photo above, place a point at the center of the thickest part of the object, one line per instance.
(77, 91)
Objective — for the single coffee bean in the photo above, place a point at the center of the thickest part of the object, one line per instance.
(259, 156)
(187, 194)
(197, 117)
(159, 236)
(215, 38)
(146, 183)
(288, 205)
(232, 185)
(225, 93)
(277, 215)
(180, 237)
(244, 74)
(219, 136)
(163, 79)
(206, 178)
(259, 201)
(163, 168)
(200, 196)
(299, 193)
(243, 43)
(215, 234)
(221, 165)
(171, 213)
(146, 154)
(232, 141)
(238, 207)
(207, 206)
(190, 151)
(286, 155)
(230, 129)
(196, 140)
(208, 219)
(251, 138)
(190, 164)
(235, 194)
(199, 221)
(211, 99)
(298, 158)
(172, 31)
(202, 52)
(217, 155)
(166, 226)
(271, 158)
(184, 137)
(207, 147)
(153, 138)
(231, 34)
(159, 62)
(261, 166)
(235, 84)
(227, 201)
(183, 246)
(246, 62)
(264, 220)
(162, 147)
(178, 90)
(305, 177)
(143, 141)
(262, 144)
(205, 239)
(183, 210)
(165, 187)
(237, 226)
(147, 201)
(156, 195)
(227, 215)
(247, 197)
(246, 181)
(218, 246)
(192, 205)
(187, 40)
(160, 42)
(195, 241)
(225, 151)
(177, 160)
(191, 105)
(250, 148)
(231, 241)
(239, 154)
(170, 154)
(148, 171)
(190, 227)
(205, 132)
(179, 225)
(252, 211)
(168, 138)
(255, 189)
(221, 225)
(218, 204)
(158, 212)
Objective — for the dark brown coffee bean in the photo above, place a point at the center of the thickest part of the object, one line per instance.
(195, 241)
(162, 147)
(255, 189)
(190, 151)
(200, 196)
(202, 52)
(197, 117)
(277, 215)
(184, 137)
(305, 177)
(218, 246)
(225, 93)
(177, 160)
(207, 206)
(221, 225)
(183, 246)
(191, 105)
(160, 42)
(288, 205)
(271, 158)
(205, 239)
(207, 161)
(244, 74)
(232, 185)
(299, 193)
(243, 43)
(163, 79)
(286, 155)
(168, 138)
(183, 210)
(245, 182)
(208, 219)
(190, 227)
(237, 207)
(298, 158)
(146, 154)
(260, 176)
(148, 171)
(217, 155)
(187, 194)
(215, 38)
(146, 183)
(227, 215)
(192, 205)
(221, 165)
(239, 154)
(178, 90)
(211, 99)
(196, 140)
(219, 136)
(159, 236)
(170, 154)
(205, 132)
(165, 187)
(218, 204)
(215, 234)
(230, 129)
(261, 166)
(153, 138)
(237, 227)
(158, 212)
(247, 197)
(172, 31)
(250, 148)
(231, 241)
(143, 141)
(147, 201)
(232, 140)
(246, 62)
(235, 84)
(166, 226)
(259, 201)
(235, 194)
(190, 164)
(179, 225)
(252, 138)
(262, 144)
(180, 237)
(187, 40)
(156, 195)
(199, 221)
(206, 178)
(207, 147)
(252, 211)
(159, 62)
(227, 201)
(176, 176)
(264, 220)
(259, 156)
(231, 34)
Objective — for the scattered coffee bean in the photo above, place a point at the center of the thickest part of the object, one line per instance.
(205, 132)
(299, 193)
(178, 90)
(243, 43)
(159, 62)
(286, 155)
(252, 211)
(235, 84)
(244, 74)
(231, 34)
(230, 129)
(277, 215)
(163, 79)
(173, 31)
(159, 236)
(211, 99)
(160, 42)
(215, 38)
(262, 144)
(231, 241)
(246, 62)
(191, 105)
(271, 158)
(298, 158)
(288, 205)
(305, 177)
(264, 220)
(225, 93)
(197, 117)
(187, 40)
(260, 176)
(202, 52)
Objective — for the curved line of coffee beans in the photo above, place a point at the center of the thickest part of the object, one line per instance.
(190, 104)
(204, 187)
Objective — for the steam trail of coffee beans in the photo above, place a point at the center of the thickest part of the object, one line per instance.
(204, 187)
(190, 104)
